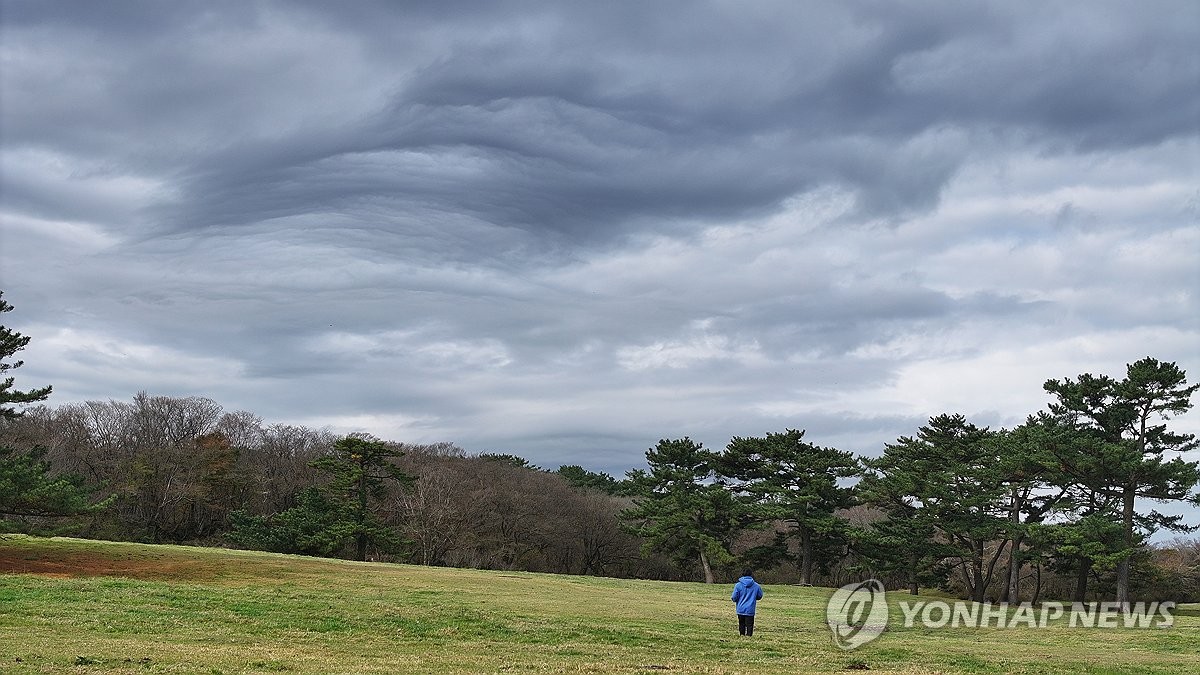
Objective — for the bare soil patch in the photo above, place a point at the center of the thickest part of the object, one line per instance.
(67, 563)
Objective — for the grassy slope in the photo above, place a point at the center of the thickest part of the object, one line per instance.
(177, 609)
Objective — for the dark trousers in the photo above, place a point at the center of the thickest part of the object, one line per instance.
(746, 624)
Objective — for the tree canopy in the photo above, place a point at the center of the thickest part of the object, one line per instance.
(1125, 441)
(679, 510)
(780, 477)
(12, 342)
(345, 511)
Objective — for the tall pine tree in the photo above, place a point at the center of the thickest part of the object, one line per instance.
(783, 478)
(1127, 458)
(344, 512)
(27, 486)
(949, 477)
(679, 510)
(12, 342)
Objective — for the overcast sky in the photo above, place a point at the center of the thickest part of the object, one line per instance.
(566, 230)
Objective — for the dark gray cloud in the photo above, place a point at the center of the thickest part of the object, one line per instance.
(583, 122)
(566, 230)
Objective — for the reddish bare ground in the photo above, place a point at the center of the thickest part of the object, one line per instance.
(63, 562)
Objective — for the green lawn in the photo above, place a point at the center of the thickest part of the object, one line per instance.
(170, 609)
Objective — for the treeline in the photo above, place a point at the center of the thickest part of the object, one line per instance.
(1008, 514)
(1054, 508)
(182, 470)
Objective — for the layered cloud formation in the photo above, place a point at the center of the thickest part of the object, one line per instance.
(566, 230)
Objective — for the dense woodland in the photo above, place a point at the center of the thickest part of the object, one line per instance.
(1058, 508)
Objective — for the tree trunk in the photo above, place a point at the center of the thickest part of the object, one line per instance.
(708, 575)
(991, 566)
(1127, 520)
(977, 588)
(1123, 565)
(806, 557)
(1081, 579)
(1012, 592)
(913, 560)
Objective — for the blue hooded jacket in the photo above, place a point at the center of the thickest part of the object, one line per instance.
(746, 592)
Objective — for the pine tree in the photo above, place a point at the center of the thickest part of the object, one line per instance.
(951, 476)
(361, 469)
(27, 486)
(12, 342)
(28, 489)
(783, 478)
(326, 520)
(679, 510)
(1126, 458)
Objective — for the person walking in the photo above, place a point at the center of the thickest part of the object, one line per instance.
(746, 594)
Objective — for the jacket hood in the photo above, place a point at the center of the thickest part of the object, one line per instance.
(746, 581)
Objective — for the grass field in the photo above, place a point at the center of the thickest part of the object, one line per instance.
(79, 606)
